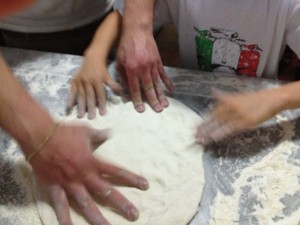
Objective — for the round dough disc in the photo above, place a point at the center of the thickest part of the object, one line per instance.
(159, 146)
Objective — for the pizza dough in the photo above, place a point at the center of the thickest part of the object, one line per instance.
(159, 146)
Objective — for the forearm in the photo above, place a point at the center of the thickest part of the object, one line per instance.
(138, 14)
(287, 96)
(20, 115)
(106, 37)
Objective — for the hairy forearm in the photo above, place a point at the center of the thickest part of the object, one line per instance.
(20, 115)
(138, 14)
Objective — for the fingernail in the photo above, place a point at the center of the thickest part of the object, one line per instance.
(164, 103)
(102, 111)
(133, 214)
(80, 115)
(143, 184)
(91, 115)
(140, 108)
(158, 108)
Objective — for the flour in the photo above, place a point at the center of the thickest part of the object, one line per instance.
(19, 207)
(267, 182)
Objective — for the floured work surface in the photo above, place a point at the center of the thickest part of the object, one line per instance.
(266, 192)
(254, 177)
(159, 146)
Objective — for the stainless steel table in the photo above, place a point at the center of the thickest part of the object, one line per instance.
(46, 76)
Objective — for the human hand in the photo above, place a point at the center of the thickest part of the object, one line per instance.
(139, 62)
(88, 88)
(234, 113)
(67, 168)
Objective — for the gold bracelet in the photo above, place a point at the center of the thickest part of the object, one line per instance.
(45, 141)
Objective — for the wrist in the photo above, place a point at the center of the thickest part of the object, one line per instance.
(32, 133)
(282, 99)
(143, 24)
(92, 53)
(29, 123)
(138, 15)
(46, 139)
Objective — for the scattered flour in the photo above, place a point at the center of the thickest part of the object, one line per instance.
(269, 181)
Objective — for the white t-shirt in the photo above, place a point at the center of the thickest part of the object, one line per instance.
(233, 36)
(57, 15)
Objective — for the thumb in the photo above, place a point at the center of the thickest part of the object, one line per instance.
(114, 86)
(98, 137)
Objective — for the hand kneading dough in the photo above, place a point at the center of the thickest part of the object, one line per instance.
(159, 146)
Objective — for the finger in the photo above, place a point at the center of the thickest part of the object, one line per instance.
(71, 98)
(158, 89)
(121, 70)
(151, 94)
(161, 95)
(148, 86)
(124, 82)
(101, 98)
(60, 204)
(115, 86)
(121, 176)
(87, 205)
(135, 92)
(222, 132)
(81, 107)
(105, 192)
(91, 101)
(165, 78)
(220, 95)
(203, 132)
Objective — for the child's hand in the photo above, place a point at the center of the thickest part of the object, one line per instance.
(88, 88)
(236, 112)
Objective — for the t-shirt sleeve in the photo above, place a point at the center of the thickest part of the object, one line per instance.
(293, 27)
(119, 6)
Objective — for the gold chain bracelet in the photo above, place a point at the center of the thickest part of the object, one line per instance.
(45, 141)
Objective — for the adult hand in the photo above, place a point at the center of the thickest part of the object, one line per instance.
(236, 112)
(88, 88)
(67, 168)
(140, 64)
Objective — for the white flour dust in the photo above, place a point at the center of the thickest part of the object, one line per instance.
(20, 208)
(268, 181)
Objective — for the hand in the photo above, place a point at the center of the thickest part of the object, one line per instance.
(236, 112)
(139, 62)
(88, 88)
(67, 168)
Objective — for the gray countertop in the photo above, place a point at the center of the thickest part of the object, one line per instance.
(46, 76)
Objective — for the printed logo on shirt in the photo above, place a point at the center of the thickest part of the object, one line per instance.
(220, 50)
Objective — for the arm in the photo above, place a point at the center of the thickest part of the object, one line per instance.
(87, 88)
(19, 111)
(64, 173)
(138, 56)
(237, 112)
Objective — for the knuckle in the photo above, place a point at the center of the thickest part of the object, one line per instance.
(85, 203)
(106, 192)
